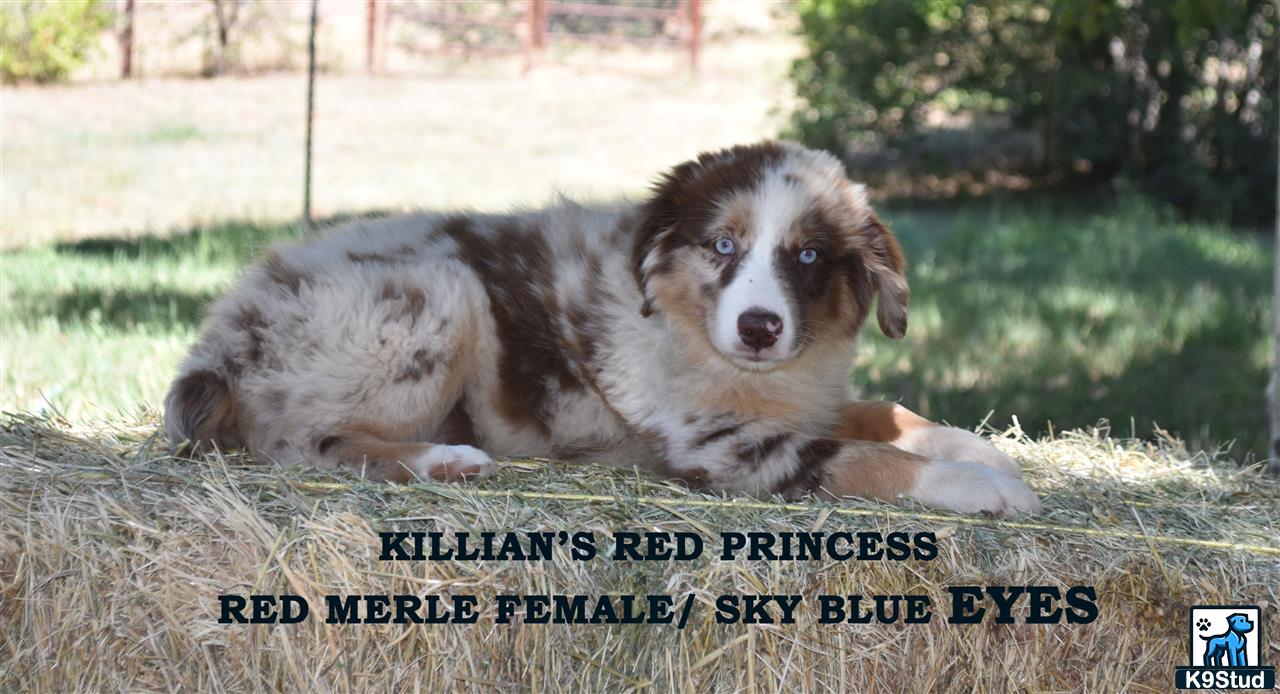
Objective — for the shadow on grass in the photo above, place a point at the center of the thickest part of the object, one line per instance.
(113, 283)
(127, 309)
(1068, 317)
(1203, 390)
(233, 241)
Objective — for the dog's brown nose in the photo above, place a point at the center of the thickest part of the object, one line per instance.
(759, 329)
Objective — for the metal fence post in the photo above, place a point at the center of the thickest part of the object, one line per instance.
(371, 37)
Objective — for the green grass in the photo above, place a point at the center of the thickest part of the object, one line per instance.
(95, 328)
(1062, 310)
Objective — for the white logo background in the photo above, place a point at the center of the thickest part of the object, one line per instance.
(1217, 625)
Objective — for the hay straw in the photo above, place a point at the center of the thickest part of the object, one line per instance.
(112, 553)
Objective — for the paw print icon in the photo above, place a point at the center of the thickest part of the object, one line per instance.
(1202, 624)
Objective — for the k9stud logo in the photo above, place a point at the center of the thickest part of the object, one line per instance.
(1224, 646)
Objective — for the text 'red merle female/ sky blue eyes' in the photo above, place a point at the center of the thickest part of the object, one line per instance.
(724, 245)
(808, 255)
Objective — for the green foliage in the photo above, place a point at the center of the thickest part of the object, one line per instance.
(1177, 95)
(46, 41)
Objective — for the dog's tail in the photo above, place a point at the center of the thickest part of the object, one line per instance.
(201, 409)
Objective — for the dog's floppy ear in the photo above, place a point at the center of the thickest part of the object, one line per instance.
(882, 268)
(888, 267)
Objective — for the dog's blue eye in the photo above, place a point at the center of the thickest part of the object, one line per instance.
(808, 255)
(724, 245)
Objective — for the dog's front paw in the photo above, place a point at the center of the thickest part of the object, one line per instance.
(453, 463)
(973, 488)
(950, 443)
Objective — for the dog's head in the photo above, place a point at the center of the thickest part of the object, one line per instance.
(1239, 623)
(762, 251)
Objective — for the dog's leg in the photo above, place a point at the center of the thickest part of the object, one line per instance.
(886, 472)
(368, 373)
(378, 458)
(891, 423)
(763, 459)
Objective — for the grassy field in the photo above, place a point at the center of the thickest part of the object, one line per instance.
(152, 156)
(1057, 311)
(1064, 311)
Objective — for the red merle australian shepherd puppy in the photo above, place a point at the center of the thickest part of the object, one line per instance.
(705, 334)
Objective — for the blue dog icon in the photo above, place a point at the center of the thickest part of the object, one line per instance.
(1230, 644)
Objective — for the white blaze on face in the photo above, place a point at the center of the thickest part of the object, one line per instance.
(774, 206)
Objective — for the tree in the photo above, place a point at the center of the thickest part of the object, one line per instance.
(1177, 95)
(228, 18)
(46, 41)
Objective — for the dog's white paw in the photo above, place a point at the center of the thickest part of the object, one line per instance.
(950, 443)
(453, 463)
(973, 488)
